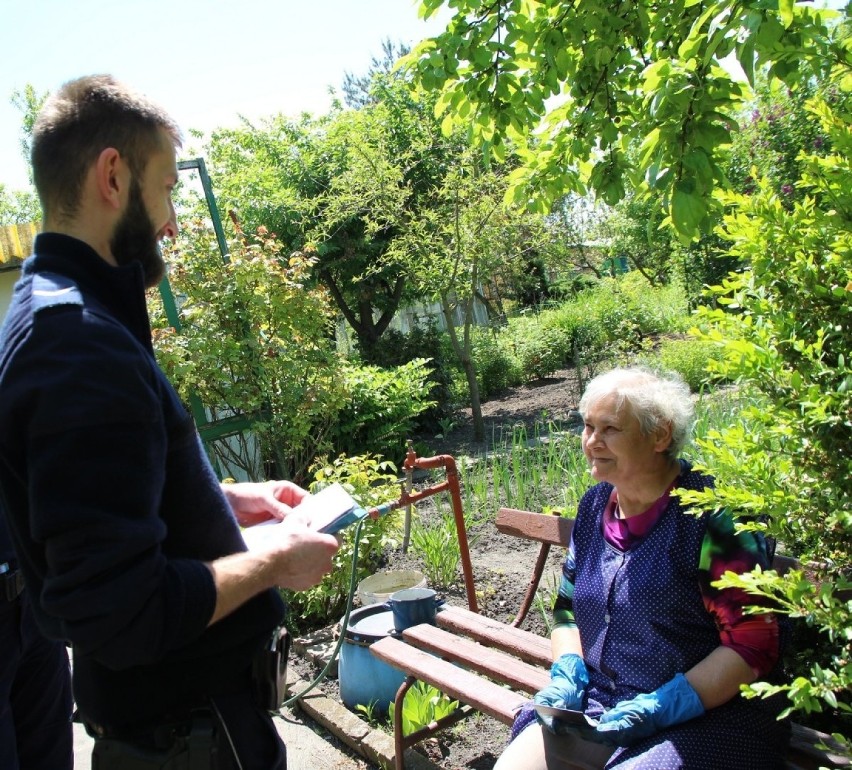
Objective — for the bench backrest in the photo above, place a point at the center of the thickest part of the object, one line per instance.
(545, 528)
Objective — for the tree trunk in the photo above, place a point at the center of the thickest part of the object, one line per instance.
(366, 329)
(464, 354)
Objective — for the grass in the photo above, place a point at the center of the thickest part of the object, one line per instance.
(542, 471)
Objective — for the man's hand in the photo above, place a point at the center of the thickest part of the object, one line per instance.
(291, 555)
(301, 556)
(255, 502)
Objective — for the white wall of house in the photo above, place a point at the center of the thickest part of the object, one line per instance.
(420, 313)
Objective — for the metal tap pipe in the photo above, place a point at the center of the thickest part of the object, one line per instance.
(451, 484)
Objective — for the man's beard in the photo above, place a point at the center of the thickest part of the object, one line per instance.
(134, 239)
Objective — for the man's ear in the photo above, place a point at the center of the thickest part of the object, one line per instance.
(111, 177)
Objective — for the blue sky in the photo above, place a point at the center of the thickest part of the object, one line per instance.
(205, 61)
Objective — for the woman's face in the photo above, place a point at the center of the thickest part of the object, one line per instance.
(614, 445)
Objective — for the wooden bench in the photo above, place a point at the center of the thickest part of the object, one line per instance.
(493, 667)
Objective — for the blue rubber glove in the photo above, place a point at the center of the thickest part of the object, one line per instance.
(646, 714)
(568, 681)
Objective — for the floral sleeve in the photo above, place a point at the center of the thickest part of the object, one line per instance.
(753, 637)
(563, 608)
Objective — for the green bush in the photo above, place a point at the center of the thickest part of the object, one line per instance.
(601, 323)
(253, 341)
(594, 327)
(496, 367)
(565, 288)
(381, 408)
(655, 309)
(371, 481)
(609, 319)
(784, 326)
(539, 347)
(687, 357)
(395, 349)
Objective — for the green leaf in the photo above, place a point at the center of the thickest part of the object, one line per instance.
(447, 124)
(656, 73)
(687, 211)
(785, 11)
(745, 56)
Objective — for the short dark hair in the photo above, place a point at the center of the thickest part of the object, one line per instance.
(78, 122)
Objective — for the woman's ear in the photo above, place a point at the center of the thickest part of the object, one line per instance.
(663, 437)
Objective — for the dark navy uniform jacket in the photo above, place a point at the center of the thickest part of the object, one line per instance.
(111, 502)
(7, 550)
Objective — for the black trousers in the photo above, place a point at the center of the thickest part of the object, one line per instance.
(255, 739)
(232, 733)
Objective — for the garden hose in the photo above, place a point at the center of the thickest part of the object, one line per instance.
(344, 623)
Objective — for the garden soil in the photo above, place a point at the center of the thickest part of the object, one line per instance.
(502, 565)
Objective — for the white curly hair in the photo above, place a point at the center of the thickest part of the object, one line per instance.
(654, 398)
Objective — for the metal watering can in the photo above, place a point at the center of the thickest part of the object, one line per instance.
(412, 606)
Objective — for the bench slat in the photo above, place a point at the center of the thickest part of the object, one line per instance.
(545, 528)
(485, 696)
(805, 754)
(496, 665)
(529, 647)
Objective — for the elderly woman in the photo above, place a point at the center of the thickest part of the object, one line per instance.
(643, 643)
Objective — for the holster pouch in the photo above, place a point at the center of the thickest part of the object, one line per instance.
(269, 671)
(192, 747)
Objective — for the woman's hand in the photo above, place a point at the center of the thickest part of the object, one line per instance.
(569, 679)
(648, 713)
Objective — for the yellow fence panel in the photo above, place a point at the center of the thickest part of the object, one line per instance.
(16, 242)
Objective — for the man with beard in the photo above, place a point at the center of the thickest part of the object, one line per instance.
(128, 545)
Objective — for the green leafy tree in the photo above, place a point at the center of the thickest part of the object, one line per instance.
(463, 238)
(574, 85)
(775, 129)
(18, 206)
(359, 90)
(21, 206)
(785, 327)
(576, 228)
(634, 232)
(29, 102)
(347, 183)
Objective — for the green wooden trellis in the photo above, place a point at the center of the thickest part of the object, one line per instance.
(209, 430)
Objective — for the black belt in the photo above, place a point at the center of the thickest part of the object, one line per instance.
(193, 744)
(11, 582)
(160, 735)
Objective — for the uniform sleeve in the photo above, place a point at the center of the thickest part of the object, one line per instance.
(96, 446)
(563, 608)
(754, 637)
